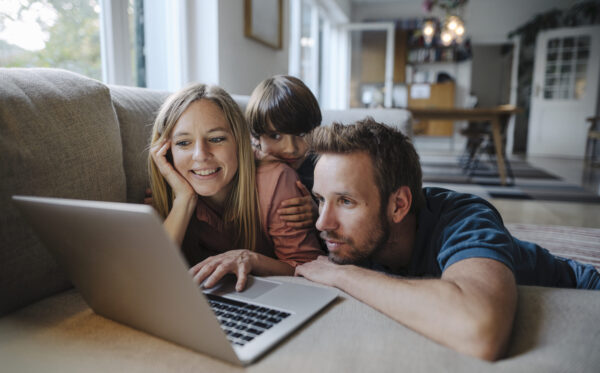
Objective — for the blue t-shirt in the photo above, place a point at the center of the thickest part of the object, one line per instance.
(454, 226)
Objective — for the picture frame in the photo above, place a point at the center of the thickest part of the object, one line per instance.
(263, 21)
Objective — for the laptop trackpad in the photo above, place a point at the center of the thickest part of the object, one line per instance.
(255, 287)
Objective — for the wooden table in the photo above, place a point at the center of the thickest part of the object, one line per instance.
(498, 117)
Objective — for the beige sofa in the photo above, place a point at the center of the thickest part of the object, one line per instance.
(65, 135)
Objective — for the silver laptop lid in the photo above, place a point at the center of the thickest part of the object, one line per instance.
(127, 269)
(148, 287)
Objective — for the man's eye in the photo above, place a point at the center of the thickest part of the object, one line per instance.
(302, 134)
(217, 139)
(347, 202)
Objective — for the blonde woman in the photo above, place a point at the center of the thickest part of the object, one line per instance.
(218, 206)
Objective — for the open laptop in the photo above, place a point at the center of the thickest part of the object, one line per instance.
(127, 269)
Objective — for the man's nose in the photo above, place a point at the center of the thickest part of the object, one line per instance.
(327, 220)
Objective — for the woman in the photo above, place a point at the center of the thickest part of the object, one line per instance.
(217, 205)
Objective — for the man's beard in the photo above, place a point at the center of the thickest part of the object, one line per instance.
(376, 239)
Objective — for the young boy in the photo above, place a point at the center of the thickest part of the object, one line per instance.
(280, 112)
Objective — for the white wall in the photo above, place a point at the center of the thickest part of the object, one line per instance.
(486, 21)
(243, 62)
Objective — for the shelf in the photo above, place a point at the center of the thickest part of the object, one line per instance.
(431, 54)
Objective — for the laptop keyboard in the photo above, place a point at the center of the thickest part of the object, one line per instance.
(242, 322)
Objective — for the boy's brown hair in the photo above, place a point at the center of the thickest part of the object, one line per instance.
(395, 160)
(286, 103)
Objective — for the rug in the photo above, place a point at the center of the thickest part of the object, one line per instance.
(581, 244)
(527, 183)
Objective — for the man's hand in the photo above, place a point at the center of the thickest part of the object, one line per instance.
(299, 212)
(212, 269)
(321, 270)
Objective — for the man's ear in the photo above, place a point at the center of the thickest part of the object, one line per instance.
(399, 204)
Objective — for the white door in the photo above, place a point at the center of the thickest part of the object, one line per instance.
(366, 65)
(564, 90)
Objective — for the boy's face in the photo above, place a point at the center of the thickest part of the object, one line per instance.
(283, 147)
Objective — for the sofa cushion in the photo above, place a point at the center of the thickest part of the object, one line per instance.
(136, 109)
(59, 137)
(555, 330)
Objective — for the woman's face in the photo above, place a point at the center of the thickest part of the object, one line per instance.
(205, 151)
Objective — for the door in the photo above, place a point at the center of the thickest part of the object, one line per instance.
(564, 90)
(368, 64)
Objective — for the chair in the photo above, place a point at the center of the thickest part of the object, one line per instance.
(479, 142)
(592, 138)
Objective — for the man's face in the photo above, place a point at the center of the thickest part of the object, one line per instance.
(351, 219)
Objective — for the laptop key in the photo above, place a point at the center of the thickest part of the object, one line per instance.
(262, 325)
(254, 331)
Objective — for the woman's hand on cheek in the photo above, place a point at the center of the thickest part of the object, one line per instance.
(178, 183)
(212, 269)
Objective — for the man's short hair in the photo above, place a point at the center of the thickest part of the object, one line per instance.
(395, 160)
(285, 102)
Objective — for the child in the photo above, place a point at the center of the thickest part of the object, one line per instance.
(280, 112)
(213, 198)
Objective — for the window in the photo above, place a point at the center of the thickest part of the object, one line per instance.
(62, 34)
(312, 32)
(566, 67)
(69, 34)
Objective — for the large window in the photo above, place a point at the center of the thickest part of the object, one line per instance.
(313, 35)
(68, 34)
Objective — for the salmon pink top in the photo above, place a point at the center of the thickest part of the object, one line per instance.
(207, 235)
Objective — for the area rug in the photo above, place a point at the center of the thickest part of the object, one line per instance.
(581, 244)
(527, 183)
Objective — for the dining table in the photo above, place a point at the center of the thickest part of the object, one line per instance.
(497, 116)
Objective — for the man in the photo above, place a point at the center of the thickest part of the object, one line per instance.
(377, 221)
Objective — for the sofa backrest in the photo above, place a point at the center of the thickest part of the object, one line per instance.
(136, 109)
(59, 137)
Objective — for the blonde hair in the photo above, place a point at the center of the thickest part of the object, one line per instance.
(241, 210)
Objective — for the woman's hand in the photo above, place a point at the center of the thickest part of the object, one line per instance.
(239, 262)
(178, 183)
(299, 212)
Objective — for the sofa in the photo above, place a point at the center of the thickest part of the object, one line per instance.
(65, 135)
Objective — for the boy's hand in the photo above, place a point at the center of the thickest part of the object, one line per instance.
(299, 212)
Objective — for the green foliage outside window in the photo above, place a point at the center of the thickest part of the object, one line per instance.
(72, 29)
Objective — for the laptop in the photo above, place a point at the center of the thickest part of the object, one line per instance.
(128, 269)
